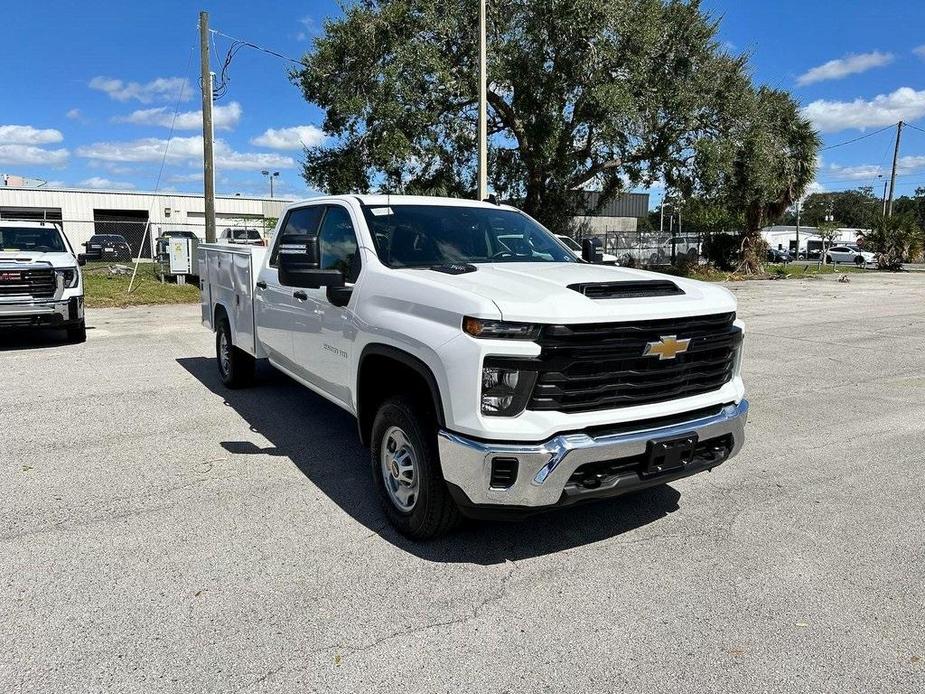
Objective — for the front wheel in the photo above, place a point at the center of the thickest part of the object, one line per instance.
(859, 261)
(828, 260)
(77, 333)
(235, 366)
(406, 470)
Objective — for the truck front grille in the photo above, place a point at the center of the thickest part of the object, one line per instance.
(38, 284)
(600, 366)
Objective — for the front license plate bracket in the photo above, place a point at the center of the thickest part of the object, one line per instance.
(668, 455)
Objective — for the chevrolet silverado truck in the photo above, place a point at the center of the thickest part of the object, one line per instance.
(40, 279)
(491, 372)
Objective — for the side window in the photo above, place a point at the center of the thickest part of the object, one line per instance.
(300, 225)
(338, 241)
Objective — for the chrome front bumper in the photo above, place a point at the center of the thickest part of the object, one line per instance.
(42, 313)
(545, 468)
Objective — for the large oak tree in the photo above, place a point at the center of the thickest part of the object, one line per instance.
(609, 94)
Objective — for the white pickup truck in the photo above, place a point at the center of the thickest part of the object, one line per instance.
(40, 280)
(491, 372)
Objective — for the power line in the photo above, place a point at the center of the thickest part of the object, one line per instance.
(249, 44)
(857, 139)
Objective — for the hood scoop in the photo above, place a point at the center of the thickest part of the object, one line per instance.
(632, 289)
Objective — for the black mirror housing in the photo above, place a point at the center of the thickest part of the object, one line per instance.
(301, 268)
(591, 251)
(81, 259)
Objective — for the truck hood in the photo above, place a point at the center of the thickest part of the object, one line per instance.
(58, 260)
(538, 292)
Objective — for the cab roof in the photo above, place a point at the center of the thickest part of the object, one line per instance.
(375, 200)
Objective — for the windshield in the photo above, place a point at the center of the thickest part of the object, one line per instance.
(570, 242)
(31, 239)
(427, 235)
(246, 234)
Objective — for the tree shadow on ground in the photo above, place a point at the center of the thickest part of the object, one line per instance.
(282, 411)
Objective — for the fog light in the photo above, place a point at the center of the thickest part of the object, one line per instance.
(505, 391)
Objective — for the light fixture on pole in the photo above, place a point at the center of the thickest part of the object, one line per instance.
(270, 176)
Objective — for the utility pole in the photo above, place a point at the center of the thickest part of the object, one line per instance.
(483, 106)
(885, 183)
(208, 156)
(661, 216)
(796, 251)
(889, 204)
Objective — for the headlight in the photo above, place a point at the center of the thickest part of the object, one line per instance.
(505, 390)
(500, 329)
(70, 277)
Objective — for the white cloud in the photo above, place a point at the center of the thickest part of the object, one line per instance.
(182, 150)
(906, 165)
(919, 51)
(297, 137)
(814, 187)
(73, 114)
(144, 149)
(226, 158)
(185, 178)
(856, 172)
(160, 89)
(27, 135)
(223, 117)
(852, 64)
(310, 28)
(17, 154)
(831, 116)
(105, 183)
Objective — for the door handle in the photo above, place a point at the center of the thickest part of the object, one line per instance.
(261, 284)
(301, 296)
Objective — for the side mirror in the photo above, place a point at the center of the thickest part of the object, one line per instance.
(81, 259)
(591, 250)
(299, 267)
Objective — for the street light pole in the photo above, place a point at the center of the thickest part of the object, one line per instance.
(483, 106)
(270, 176)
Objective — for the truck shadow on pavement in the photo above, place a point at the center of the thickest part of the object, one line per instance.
(32, 338)
(322, 442)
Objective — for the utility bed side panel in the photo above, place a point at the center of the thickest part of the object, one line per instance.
(231, 276)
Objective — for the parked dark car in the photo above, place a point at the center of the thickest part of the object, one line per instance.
(779, 255)
(107, 247)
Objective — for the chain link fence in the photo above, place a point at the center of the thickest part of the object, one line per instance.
(139, 234)
(648, 249)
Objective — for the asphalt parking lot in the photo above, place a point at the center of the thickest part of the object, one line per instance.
(161, 534)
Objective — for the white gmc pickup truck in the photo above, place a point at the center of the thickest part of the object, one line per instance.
(492, 373)
(40, 280)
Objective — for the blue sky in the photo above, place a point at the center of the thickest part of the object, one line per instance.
(90, 89)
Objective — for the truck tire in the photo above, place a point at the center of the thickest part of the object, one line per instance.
(235, 366)
(406, 470)
(77, 333)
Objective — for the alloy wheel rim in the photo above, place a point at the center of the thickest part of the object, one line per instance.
(399, 464)
(224, 352)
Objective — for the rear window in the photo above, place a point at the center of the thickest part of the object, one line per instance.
(245, 234)
(39, 240)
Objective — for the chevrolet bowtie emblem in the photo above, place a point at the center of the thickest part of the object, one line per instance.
(667, 347)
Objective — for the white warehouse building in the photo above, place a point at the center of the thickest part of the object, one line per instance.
(138, 216)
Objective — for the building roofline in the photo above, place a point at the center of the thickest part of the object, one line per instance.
(171, 194)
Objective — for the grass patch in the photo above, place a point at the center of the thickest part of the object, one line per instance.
(791, 270)
(104, 290)
(708, 273)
